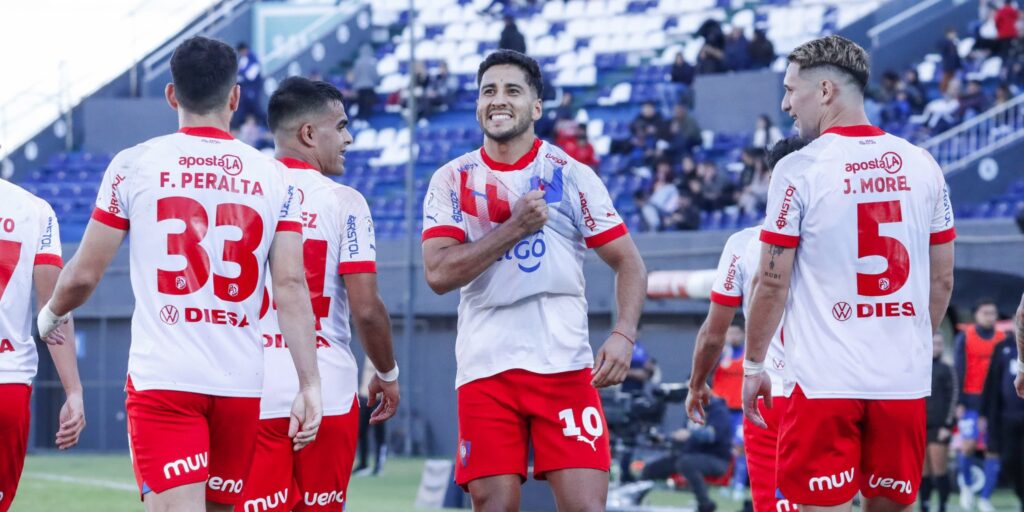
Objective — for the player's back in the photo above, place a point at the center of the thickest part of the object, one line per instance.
(201, 209)
(338, 239)
(863, 206)
(28, 237)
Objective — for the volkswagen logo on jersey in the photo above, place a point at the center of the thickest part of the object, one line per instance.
(169, 315)
(527, 253)
(842, 311)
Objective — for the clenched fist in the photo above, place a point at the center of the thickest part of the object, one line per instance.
(530, 213)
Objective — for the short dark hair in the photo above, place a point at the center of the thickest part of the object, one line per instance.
(298, 97)
(985, 301)
(242, 46)
(529, 66)
(203, 70)
(783, 148)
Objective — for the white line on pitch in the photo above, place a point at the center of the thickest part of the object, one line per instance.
(108, 484)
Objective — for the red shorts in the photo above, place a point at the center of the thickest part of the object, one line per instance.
(179, 438)
(499, 416)
(314, 478)
(830, 448)
(761, 446)
(14, 421)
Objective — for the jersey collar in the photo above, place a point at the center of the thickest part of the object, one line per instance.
(515, 166)
(206, 131)
(295, 163)
(862, 130)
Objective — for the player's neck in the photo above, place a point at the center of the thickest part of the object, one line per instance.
(287, 152)
(846, 117)
(213, 120)
(509, 152)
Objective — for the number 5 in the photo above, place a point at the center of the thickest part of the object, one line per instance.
(871, 243)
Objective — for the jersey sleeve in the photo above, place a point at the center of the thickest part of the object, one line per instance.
(442, 208)
(941, 229)
(358, 250)
(727, 288)
(111, 200)
(48, 251)
(289, 217)
(787, 196)
(595, 215)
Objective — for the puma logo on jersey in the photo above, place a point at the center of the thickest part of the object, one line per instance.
(591, 442)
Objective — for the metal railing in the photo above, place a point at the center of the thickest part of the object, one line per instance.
(981, 136)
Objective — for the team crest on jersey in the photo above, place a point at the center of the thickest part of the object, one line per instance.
(464, 449)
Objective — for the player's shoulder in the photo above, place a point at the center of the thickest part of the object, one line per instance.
(465, 162)
(557, 157)
(344, 193)
(14, 193)
(805, 158)
(739, 240)
(128, 158)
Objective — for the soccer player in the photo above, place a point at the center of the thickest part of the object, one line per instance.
(510, 224)
(974, 346)
(862, 296)
(204, 213)
(734, 281)
(311, 133)
(30, 256)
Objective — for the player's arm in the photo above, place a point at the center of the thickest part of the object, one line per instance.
(449, 263)
(612, 360)
(710, 343)
(1018, 382)
(72, 414)
(371, 319)
(941, 290)
(81, 275)
(295, 316)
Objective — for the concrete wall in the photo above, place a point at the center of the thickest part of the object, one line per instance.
(113, 124)
(746, 95)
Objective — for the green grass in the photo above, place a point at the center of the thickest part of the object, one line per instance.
(84, 476)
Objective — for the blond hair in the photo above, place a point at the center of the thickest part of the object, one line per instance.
(836, 52)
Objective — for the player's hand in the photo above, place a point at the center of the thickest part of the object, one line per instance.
(754, 386)
(1019, 381)
(944, 433)
(48, 324)
(388, 396)
(530, 212)
(307, 412)
(72, 421)
(612, 362)
(696, 399)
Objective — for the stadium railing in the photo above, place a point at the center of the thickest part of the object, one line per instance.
(986, 133)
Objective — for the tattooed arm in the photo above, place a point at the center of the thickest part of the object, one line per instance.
(768, 300)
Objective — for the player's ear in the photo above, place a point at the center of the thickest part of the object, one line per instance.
(306, 134)
(538, 109)
(172, 100)
(234, 97)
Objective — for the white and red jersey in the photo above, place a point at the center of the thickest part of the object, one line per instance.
(527, 310)
(201, 210)
(29, 236)
(861, 207)
(733, 286)
(337, 239)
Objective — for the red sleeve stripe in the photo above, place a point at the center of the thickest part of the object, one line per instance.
(731, 301)
(289, 225)
(606, 236)
(49, 259)
(779, 239)
(357, 267)
(942, 237)
(445, 232)
(105, 217)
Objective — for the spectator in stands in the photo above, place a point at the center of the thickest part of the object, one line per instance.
(712, 54)
(950, 51)
(250, 81)
(766, 134)
(716, 188)
(917, 95)
(687, 214)
(702, 451)
(941, 409)
(1006, 27)
(565, 111)
(364, 81)
(511, 37)
(580, 148)
(973, 101)
(682, 72)
(664, 199)
(754, 196)
(711, 31)
(640, 149)
(940, 113)
(421, 83)
(761, 50)
(442, 88)
(1003, 409)
(683, 133)
(640, 199)
(649, 121)
(737, 50)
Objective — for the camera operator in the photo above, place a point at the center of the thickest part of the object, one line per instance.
(698, 452)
